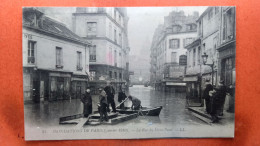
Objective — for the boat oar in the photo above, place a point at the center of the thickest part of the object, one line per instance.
(121, 102)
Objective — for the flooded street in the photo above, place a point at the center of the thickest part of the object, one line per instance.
(46, 114)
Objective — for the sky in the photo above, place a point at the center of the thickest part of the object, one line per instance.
(144, 20)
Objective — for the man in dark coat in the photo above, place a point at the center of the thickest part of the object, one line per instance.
(102, 107)
(121, 97)
(110, 91)
(87, 102)
(218, 101)
(206, 96)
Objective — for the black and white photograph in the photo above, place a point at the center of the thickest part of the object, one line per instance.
(129, 72)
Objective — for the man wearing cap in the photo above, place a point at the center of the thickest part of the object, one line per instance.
(87, 102)
(218, 101)
(206, 96)
(103, 105)
(110, 91)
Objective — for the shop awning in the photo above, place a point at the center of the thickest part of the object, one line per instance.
(78, 79)
(175, 84)
(190, 79)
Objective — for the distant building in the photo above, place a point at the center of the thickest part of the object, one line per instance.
(106, 29)
(168, 49)
(55, 60)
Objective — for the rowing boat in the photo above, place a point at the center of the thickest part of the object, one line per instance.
(144, 111)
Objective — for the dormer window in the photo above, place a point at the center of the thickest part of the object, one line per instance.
(176, 28)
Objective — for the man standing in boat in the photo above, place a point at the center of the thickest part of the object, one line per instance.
(102, 107)
(110, 91)
(87, 102)
(136, 103)
(121, 98)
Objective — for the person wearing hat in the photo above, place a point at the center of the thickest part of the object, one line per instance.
(223, 93)
(121, 97)
(102, 107)
(110, 91)
(218, 101)
(87, 102)
(206, 96)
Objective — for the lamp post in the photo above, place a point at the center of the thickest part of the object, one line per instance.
(204, 59)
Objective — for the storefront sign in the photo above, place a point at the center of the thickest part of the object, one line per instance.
(175, 84)
(176, 71)
(191, 79)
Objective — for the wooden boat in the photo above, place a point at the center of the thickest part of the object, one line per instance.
(144, 111)
(93, 119)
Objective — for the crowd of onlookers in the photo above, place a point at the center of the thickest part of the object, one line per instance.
(215, 99)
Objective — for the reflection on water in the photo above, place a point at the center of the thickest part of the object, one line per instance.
(173, 112)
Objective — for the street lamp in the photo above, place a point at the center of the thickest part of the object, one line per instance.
(204, 59)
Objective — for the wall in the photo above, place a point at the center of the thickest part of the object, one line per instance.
(46, 53)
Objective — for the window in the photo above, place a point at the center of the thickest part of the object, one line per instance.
(59, 60)
(210, 14)
(119, 19)
(31, 52)
(174, 43)
(115, 14)
(91, 28)
(189, 26)
(120, 39)
(200, 28)
(187, 41)
(92, 75)
(92, 54)
(115, 58)
(176, 28)
(110, 31)
(194, 57)
(120, 75)
(174, 57)
(115, 39)
(110, 74)
(199, 55)
(115, 75)
(110, 56)
(79, 61)
(229, 24)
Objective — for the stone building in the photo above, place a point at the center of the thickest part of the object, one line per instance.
(106, 29)
(227, 47)
(209, 24)
(216, 38)
(55, 60)
(167, 50)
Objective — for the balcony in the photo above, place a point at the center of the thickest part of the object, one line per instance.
(31, 60)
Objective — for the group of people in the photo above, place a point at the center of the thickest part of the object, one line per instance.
(215, 99)
(106, 99)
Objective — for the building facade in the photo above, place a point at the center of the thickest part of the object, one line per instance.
(168, 50)
(106, 29)
(55, 60)
(216, 38)
(208, 40)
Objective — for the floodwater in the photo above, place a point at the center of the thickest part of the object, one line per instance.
(47, 114)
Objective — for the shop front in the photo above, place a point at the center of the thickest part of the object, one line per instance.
(59, 86)
(193, 90)
(227, 56)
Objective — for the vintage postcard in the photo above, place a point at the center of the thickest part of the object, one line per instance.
(128, 72)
